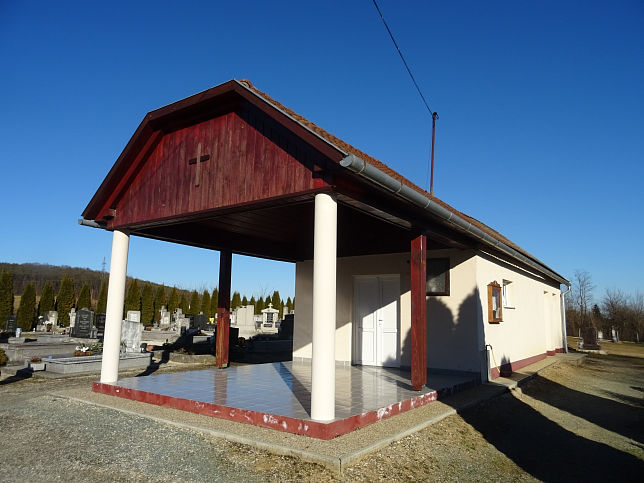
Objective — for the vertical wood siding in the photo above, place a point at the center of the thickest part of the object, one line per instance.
(251, 158)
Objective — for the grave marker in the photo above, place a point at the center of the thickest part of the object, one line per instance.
(84, 323)
(11, 323)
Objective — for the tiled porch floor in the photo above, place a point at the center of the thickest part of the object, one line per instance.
(278, 394)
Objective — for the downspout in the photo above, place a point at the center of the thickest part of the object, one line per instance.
(373, 174)
(563, 317)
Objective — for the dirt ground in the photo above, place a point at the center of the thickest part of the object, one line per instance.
(569, 423)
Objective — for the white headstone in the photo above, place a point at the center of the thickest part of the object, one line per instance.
(72, 317)
(131, 335)
(165, 316)
(52, 317)
(134, 315)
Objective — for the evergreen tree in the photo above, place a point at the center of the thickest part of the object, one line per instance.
(195, 303)
(84, 298)
(205, 303)
(46, 299)
(277, 302)
(214, 301)
(159, 301)
(183, 303)
(133, 297)
(27, 308)
(173, 301)
(147, 304)
(289, 305)
(6, 296)
(260, 306)
(101, 305)
(244, 301)
(252, 301)
(65, 300)
(235, 301)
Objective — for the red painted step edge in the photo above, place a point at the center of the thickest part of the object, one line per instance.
(314, 429)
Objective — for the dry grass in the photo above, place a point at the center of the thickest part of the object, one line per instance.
(629, 349)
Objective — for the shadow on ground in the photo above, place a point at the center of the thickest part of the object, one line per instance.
(625, 418)
(546, 450)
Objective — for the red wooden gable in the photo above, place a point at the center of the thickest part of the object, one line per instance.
(239, 164)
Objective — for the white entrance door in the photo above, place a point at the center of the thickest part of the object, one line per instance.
(376, 320)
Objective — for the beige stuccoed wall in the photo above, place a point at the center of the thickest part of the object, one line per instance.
(533, 325)
(454, 338)
(453, 334)
(347, 268)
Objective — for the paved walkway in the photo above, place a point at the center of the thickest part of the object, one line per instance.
(334, 453)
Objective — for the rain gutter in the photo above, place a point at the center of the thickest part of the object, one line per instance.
(373, 174)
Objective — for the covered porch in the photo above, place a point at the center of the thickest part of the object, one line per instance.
(278, 395)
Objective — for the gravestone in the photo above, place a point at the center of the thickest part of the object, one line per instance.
(180, 320)
(164, 320)
(191, 320)
(84, 324)
(200, 322)
(72, 318)
(134, 315)
(131, 335)
(52, 317)
(11, 323)
(100, 325)
(589, 335)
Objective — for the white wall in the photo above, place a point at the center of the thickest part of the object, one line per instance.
(458, 327)
(453, 336)
(533, 325)
(346, 269)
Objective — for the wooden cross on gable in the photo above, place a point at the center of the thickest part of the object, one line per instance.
(200, 158)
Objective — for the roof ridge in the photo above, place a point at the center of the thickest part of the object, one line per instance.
(343, 145)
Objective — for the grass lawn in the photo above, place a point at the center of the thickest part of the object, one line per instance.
(630, 349)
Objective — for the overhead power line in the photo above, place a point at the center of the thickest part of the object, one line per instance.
(413, 79)
(403, 58)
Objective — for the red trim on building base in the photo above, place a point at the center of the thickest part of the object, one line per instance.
(314, 429)
(509, 367)
(560, 350)
(551, 353)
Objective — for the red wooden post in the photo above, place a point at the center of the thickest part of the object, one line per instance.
(223, 309)
(418, 312)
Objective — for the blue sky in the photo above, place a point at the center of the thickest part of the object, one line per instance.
(540, 134)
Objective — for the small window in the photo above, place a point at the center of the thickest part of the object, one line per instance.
(507, 295)
(437, 276)
(495, 314)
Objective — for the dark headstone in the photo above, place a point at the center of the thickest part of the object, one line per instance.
(286, 327)
(589, 335)
(11, 323)
(199, 322)
(191, 320)
(100, 325)
(84, 323)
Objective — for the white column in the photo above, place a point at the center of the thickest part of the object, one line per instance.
(114, 315)
(324, 273)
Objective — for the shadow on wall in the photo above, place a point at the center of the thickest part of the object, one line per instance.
(452, 344)
(545, 449)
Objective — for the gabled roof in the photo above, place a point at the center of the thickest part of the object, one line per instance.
(206, 104)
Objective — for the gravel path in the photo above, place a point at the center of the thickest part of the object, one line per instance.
(569, 423)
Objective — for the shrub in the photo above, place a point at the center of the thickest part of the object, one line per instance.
(3, 358)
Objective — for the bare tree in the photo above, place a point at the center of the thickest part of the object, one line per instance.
(637, 311)
(582, 296)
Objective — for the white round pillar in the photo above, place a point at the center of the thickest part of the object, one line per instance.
(324, 294)
(114, 315)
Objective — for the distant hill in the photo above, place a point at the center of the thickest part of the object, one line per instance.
(39, 274)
